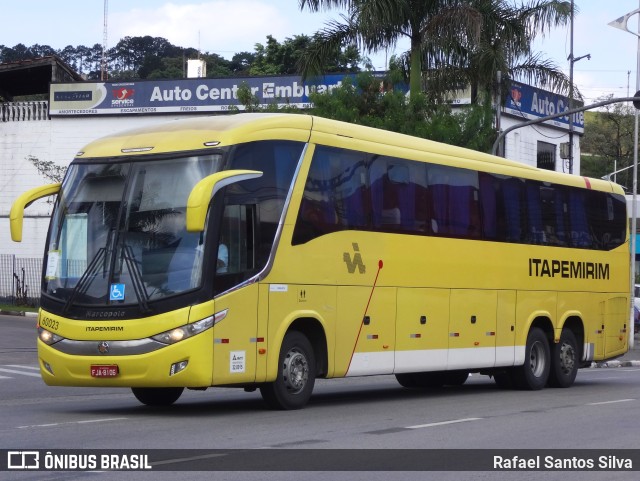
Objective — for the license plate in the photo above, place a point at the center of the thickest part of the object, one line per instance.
(110, 370)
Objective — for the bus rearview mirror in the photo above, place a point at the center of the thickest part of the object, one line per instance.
(16, 216)
(203, 192)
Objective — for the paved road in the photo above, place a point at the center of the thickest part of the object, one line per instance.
(599, 412)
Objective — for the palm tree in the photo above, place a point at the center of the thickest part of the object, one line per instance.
(504, 45)
(375, 25)
(458, 43)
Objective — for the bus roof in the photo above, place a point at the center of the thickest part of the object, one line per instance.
(221, 130)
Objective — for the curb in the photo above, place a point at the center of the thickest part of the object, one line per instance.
(18, 313)
(615, 364)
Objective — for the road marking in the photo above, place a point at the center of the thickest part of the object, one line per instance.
(610, 402)
(443, 423)
(86, 421)
(13, 371)
(34, 368)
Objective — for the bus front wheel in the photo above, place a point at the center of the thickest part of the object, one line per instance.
(296, 374)
(534, 373)
(564, 360)
(157, 396)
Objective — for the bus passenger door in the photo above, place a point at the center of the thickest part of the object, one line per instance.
(365, 338)
(422, 330)
(235, 337)
(472, 329)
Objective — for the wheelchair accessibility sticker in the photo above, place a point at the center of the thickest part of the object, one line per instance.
(116, 293)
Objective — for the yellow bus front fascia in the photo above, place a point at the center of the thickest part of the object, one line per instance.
(151, 369)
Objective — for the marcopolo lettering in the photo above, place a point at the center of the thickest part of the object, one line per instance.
(568, 269)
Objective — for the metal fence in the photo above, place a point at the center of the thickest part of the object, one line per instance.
(20, 280)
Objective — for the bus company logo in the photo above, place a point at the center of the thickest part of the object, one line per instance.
(103, 347)
(122, 97)
(355, 261)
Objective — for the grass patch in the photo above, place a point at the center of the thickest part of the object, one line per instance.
(12, 308)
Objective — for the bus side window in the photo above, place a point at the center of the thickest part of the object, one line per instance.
(579, 226)
(455, 203)
(236, 247)
(393, 194)
(488, 205)
(511, 200)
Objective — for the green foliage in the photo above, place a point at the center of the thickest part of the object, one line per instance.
(251, 103)
(453, 43)
(608, 141)
(147, 57)
(372, 101)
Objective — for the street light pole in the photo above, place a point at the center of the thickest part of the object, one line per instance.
(621, 23)
(571, 62)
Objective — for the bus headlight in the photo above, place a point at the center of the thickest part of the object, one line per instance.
(184, 332)
(48, 337)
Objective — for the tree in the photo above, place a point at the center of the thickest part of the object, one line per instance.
(277, 58)
(504, 45)
(608, 142)
(241, 63)
(374, 25)
(458, 43)
(372, 101)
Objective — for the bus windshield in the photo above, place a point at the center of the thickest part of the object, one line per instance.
(118, 233)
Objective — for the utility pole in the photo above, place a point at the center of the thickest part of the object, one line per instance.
(103, 63)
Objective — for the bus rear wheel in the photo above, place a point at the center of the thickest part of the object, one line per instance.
(157, 396)
(296, 374)
(564, 360)
(534, 373)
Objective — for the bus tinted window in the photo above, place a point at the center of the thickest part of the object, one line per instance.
(355, 190)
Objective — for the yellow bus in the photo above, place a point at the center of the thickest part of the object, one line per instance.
(264, 251)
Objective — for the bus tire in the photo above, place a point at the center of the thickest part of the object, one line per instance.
(406, 380)
(564, 360)
(157, 396)
(455, 378)
(296, 374)
(504, 378)
(421, 380)
(534, 373)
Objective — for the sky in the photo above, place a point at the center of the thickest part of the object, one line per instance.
(226, 27)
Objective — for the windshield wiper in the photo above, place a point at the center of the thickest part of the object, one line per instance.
(84, 282)
(136, 279)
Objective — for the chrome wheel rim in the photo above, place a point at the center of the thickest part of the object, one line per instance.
(567, 358)
(536, 359)
(295, 371)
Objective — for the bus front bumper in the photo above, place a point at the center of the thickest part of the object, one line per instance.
(188, 363)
